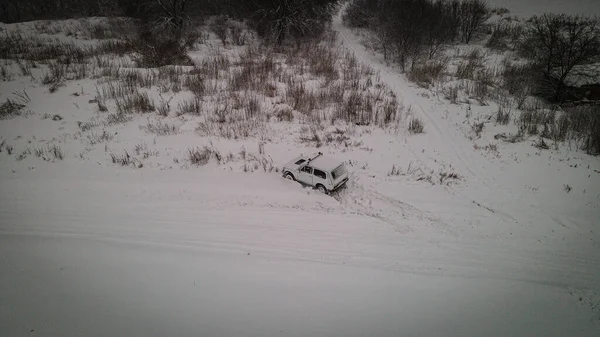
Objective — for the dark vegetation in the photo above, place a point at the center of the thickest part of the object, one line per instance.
(554, 48)
(409, 31)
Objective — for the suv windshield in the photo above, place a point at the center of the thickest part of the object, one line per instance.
(338, 172)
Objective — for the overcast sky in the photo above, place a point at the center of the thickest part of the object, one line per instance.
(531, 7)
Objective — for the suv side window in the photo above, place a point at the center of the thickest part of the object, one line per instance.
(320, 174)
(307, 169)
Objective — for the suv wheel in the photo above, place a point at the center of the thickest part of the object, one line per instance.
(321, 189)
(289, 176)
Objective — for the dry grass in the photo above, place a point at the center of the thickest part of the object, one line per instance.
(160, 129)
(10, 109)
(427, 73)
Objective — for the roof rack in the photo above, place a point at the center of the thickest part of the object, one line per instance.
(315, 157)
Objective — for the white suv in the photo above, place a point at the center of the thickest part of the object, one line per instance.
(326, 174)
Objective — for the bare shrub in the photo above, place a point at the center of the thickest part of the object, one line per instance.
(56, 77)
(278, 20)
(191, 106)
(143, 151)
(474, 13)
(477, 128)
(195, 84)
(49, 153)
(5, 73)
(251, 107)
(300, 99)
(125, 160)
(116, 47)
(444, 176)
(468, 69)
(451, 93)
(86, 126)
(136, 102)
(395, 171)
(322, 62)
(116, 118)
(541, 144)
(389, 112)
(96, 138)
(10, 109)
(164, 108)
(160, 129)
(505, 36)
(284, 113)
(355, 108)
(201, 156)
(232, 130)
(503, 115)
(313, 138)
(425, 74)
(416, 126)
(519, 80)
(26, 152)
(584, 125)
(155, 48)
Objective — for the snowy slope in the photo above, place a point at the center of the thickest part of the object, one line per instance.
(91, 248)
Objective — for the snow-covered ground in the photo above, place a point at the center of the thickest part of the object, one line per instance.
(88, 247)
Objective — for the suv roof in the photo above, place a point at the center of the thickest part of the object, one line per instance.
(325, 163)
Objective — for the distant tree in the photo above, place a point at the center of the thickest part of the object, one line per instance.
(558, 43)
(439, 27)
(172, 14)
(473, 14)
(280, 19)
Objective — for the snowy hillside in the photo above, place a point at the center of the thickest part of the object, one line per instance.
(150, 202)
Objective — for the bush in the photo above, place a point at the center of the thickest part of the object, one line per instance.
(427, 73)
(160, 129)
(199, 156)
(416, 126)
(10, 109)
(520, 80)
(584, 122)
(156, 48)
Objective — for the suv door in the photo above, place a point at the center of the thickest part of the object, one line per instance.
(320, 177)
(306, 175)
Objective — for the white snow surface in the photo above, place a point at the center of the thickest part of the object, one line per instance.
(92, 249)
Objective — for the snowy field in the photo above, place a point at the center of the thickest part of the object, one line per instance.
(508, 246)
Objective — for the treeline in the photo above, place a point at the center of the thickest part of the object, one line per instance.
(408, 30)
(273, 19)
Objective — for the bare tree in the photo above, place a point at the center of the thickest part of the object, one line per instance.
(473, 13)
(279, 19)
(173, 13)
(559, 43)
(439, 27)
